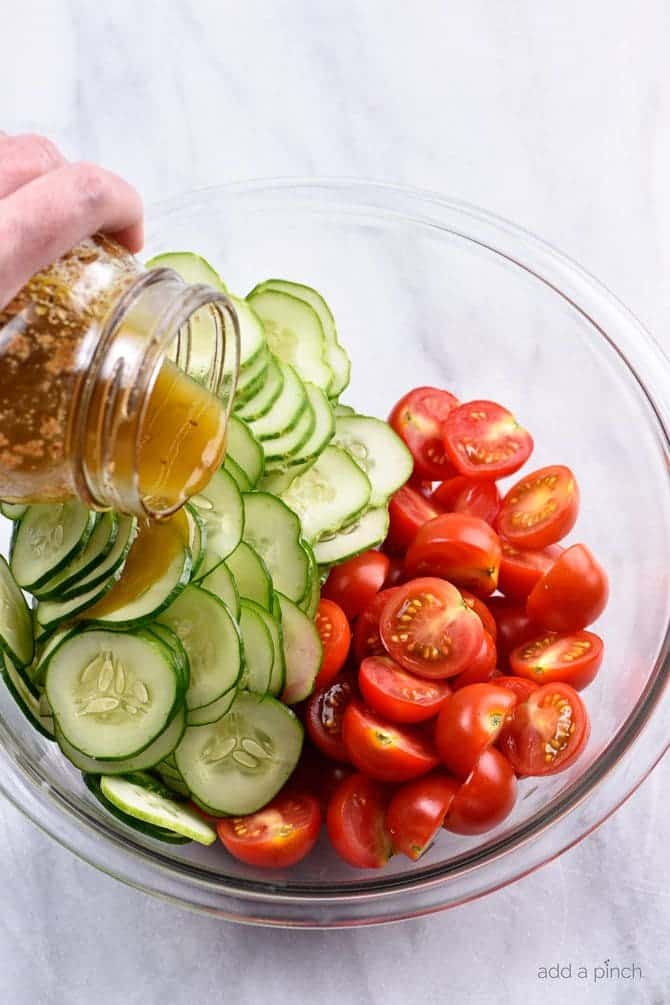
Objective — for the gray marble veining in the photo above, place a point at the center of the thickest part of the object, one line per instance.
(554, 115)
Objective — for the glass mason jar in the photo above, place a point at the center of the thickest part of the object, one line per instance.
(116, 384)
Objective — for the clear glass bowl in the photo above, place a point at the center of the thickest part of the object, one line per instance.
(427, 291)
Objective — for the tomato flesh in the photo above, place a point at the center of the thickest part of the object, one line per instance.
(335, 634)
(482, 612)
(417, 419)
(484, 441)
(470, 722)
(408, 511)
(324, 713)
(547, 732)
(463, 495)
(574, 659)
(384, 750)
(279, 835)
(521, 570)
(397, 694)
(485, 798)
(354, 584)
(519, 686)
(417, 811)
(428, 630)
(541, 508)
(572, 594)
(461, 548)
(367, 641)
(356, 822)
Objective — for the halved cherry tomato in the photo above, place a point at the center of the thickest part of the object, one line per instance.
(574, 659)
(541, 508)
(521, 570)
(485, 798)
(519, 686)
(461, 548)
(324, 713)
(354, 584)
(428, 630)
(277, 836)
(417, 419)
(397, 694)
(356, 822)
(408, 511)
(572, 594)
(484, 441)
(384, 750)
(417, 811)
(469, 722)
(482, 668)
(396, 573)
(366, 630)
(514, 626)
(335, 634)
(482, 612)
(547, 732)
(463, 495)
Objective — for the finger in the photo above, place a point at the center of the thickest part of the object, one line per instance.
(48, 216)
(23, 158)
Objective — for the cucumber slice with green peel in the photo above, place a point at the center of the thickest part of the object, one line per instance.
(323, 431)
(39, 668)
(310, 601)
(141, 803)
(378, 451)
(100, 543)
(277, 481)
(26, 700)
(46, 538)
(191, 267)
(237, 764)
(13, 511)
(112, 693)
(16, 623)
(252, 336)
(92, 783)
(197, 538)
(148, 758)
(169, 767)
(220, 506)
(126, 531)
(221, 583)
(251, 575)
(173, 784)
(368, 531)
(272, 622)
(245, 449)
(173, 643)
(341, 409)
(211, 638)
(278, 448)
(210, 713)
(259, 652)
(237, 474)
(334, 354)
(303, 651)
(262, 402)
(294, 334)
(329, 495)
(286, 410)
(252, 379)
(274, 532)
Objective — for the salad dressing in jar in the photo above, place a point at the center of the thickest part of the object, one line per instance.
(116, 384)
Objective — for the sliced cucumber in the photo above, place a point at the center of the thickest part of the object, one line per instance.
(310, 601)
(16, 625)
(237, 474)
(303, 651)
(245, 449)
(278, 448)
(323, 431)
(341, 409)
(141, 803)
(272, 622)
(26, 700)
(191, 267)
(252, 337)
(237, 764)
(112, 694)
(259, 651)
(367, 531)
(210, 713)
(173, 643)
(46, 538)
(92, 783)
(294, 333)
(173, 784)
(250, 574)
(378, 451)
(38, 669)
(262, 402)
(197, 538)
(332, 493)
(149, 758)
(252, 377)
(221, 583)
(107, 566)
(273, 530)
(13, 511)
(220, 505)
(100, 543)
(211, 638)
(286, 410)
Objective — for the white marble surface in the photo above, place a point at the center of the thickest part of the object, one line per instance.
(554, 115)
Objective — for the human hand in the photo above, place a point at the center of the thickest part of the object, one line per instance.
(48, 205)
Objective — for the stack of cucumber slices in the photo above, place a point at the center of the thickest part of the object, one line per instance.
(173, 688)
